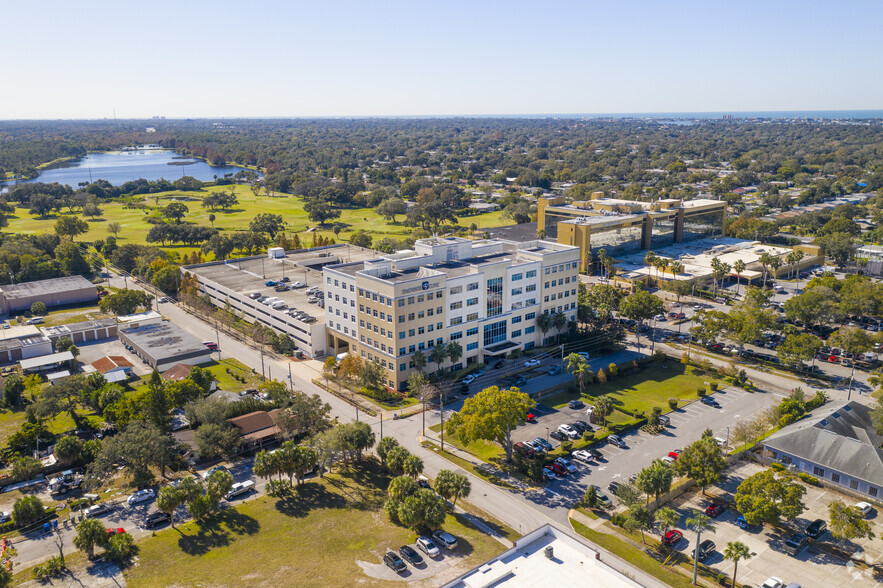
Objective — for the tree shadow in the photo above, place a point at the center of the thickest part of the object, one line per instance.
(218, 532)
(307, 497)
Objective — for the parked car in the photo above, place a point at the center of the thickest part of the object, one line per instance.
(773, 582)
(664, 420)
(116, 531)
(499, 365)
(583, 354)
(530, 363)
(558, 436)
(549, 474)
(708, 400)
(614, 487)
(569, 431)
(543, 443)
(864, 507)
(674, 454)
(565, 463)
(603, 498)
(559, 470)
(141, 496)
(575, 404)
(157, 519)
(468, 379)
(581, 426)
(714, 510)
(615, 440)
(796, 543)
(554, 371)
(394, 562)
(524, 449)
(743, 524)
(411, 555)
(582, 456)
(672, 537)
(706, 548)
(427, 546)
(596, 455)
(816, 529)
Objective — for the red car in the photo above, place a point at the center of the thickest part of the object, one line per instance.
(559, 470)
(672, 537)
(674, 455)
(117, 531)
(714, 510)
(531, 418)
(833, 359)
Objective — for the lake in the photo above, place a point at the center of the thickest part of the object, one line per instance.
(119, 167)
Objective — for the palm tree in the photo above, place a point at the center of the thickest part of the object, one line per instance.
(455, 352)
(698, 522)
(419, 360)
(438, 354)
(650, 259)
(764, 260)
(579, 367)
(168, 500)
(90, 533)
(413, 466)
(775, 264)
(603, 408)
(544, 322)
(664, 264)
(738, 267)
(736, 550)
(677, 268)
(667, 518)
(560, 321)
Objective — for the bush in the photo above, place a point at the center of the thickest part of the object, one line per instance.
(722, 579)
(588, 436)
(38, 309)
(121, 548)
(567, 446)
(700, 392)
(713, 386)
(51, 569)
(673, 403)
(26, 510)
(811, 480)
(777, 466)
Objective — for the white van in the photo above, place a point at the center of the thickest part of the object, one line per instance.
(240, 488)
(270, 301)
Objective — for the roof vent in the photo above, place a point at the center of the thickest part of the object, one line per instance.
(835, 415)
(550, 552)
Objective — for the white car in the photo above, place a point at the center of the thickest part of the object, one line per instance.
(564, 463)
(668, 460)
(659, 318)
(468, 379)
(5, 517)
(864, 507)
(581, 455)
(615, 440)
(427, 546)
(98, 509)
(141, 496)
(773, 582)
(569, 431)
(532, 363)
(583, 354)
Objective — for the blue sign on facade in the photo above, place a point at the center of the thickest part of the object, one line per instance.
(425, 285)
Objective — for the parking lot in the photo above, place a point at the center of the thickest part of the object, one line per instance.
(811, 567)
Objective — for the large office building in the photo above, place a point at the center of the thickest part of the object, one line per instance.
(626, 226)
(484, 295)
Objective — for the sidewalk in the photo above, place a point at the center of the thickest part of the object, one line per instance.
(485, 467)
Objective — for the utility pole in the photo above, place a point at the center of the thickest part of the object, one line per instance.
(290, 381)
(442, 411)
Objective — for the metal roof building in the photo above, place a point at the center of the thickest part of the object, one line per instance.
(163, 345)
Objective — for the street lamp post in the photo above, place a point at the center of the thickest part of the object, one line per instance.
(547, 433)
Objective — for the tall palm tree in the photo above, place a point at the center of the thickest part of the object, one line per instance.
(736, 550)
(699, 523)
(455, 352)
(544, 322)
(764, 260)
(603, 408)
(667, 519)
(438, 354)
(560, 321)
(677, 268)
(775, 264)
(664, 264)
(650, 259)
(738, 267)
(90, 533)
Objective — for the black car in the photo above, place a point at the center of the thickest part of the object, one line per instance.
(157, 519)
(706, 548)
(558, 435)
(581, 426)
(499, 365)
(796, 543)
(394, 562)
(614, 487)
(410, 554)
(595, 453)
(816, 529)
(464, 388)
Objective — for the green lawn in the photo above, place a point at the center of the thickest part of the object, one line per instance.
(648, 388)
(135, 227)
(316, 537)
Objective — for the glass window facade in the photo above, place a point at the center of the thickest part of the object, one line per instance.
(617, 240)
(495, 297)
(703, 224)
(663, 233)
(494, 333)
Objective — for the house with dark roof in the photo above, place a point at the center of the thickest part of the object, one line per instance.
(179, 371)
(257, 428)
(838, 444)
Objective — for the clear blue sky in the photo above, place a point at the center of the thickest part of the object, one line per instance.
(64, 59)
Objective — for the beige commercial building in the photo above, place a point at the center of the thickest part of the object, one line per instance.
(483, 295)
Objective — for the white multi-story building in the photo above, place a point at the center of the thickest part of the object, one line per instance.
(483, 295)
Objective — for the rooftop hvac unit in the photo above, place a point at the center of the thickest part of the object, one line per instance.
(550, 552)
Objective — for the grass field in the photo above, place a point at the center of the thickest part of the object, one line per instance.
(316, 537)
(135, 227)
(644, 390)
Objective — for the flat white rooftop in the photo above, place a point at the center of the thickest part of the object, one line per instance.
(572, 563)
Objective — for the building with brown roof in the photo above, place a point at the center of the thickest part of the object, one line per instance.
(109, 363)
(257, 428)
(179, 371)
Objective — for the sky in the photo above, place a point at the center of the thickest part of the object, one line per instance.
(263, 58)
